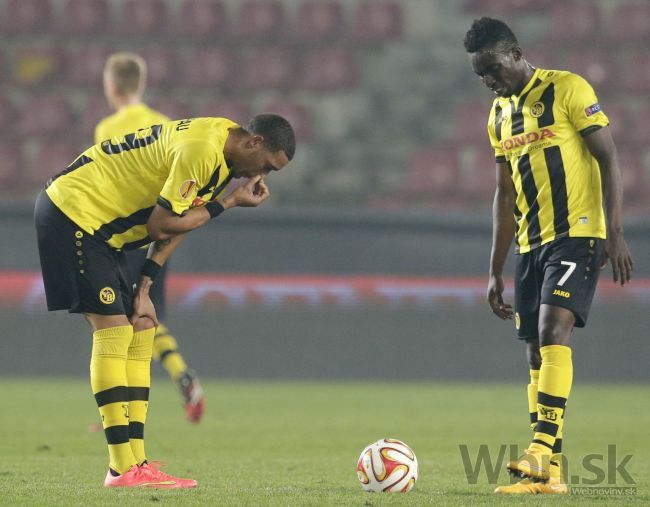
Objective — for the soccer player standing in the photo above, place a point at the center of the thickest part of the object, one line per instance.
(124, 84)
(151, 186)
(556, 164)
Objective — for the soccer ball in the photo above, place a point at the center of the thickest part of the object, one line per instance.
(388, 465)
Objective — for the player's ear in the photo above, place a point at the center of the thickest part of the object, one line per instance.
(517, 54)
(255, 141)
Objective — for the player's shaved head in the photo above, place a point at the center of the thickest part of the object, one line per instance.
(126, 72)
(490, 34)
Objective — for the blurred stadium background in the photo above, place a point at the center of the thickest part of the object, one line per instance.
(370, 259)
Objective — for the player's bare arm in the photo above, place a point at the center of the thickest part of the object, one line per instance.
(164, 224)
(602, 147)
(503, 230)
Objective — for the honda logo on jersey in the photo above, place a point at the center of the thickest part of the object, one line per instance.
(525, 139)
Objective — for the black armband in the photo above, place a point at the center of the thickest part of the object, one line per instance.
(151, 269)
(215, 208)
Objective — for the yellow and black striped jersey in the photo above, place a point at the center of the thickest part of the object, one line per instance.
(539, 133)
(127, 119)
(111, 189)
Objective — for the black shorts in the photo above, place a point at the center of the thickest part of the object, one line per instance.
(134, 260)
(81, 273)
(561, 273)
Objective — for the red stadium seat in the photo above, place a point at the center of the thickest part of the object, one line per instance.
(81, 17)
(94, 110)
(50, 159)
(36, 65)
(26, 16)
(45, 116)
(236, 111)
(174, 108)
(85, 66)
(431, 172)
(268, 68)
(260, 19)
(318, 21)
(209, 68)
(296, 114)
(328, 69)
(635, 74)
(542, 58)
(7, 116)
(162, 69)
(11, 164)
(140, 18)
(486, 7)
(621, 122)
(202, 19)
(575, 21)
(377, 21)
(596, 66)
(477, 177)
(470, 123)
(630, 23)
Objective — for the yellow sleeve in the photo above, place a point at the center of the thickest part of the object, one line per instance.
(499, 154)
(193, 165)
(581, 104)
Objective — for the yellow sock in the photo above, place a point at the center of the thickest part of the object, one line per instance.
(138, 372)
(165, 350)
(532, 397)
(109, 384)
(555, 378)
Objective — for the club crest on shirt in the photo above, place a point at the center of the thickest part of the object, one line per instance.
(591, 110)
(185, 190)
(107, 295)
(537, 109)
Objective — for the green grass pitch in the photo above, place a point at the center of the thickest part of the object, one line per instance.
(266, 443)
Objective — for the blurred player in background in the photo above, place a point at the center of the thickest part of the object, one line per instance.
(124, 84)
(556, 164)
(148, 187)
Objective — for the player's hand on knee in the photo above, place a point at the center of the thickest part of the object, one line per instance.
(495, 299)
(143, 308)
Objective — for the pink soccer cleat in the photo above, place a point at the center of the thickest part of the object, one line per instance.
(146, 476)
(151, 468)
(192, 392)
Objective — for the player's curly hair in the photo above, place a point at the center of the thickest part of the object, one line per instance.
(486, 32)
(277, 132)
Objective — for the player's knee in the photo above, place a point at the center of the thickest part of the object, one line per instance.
(533, 355)
(554, 333)
(142, 324)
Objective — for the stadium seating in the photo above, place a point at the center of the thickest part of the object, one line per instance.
(490, 7)
(176, 109)
(234, 110)
(84, 18)
(477, 180)
(575, 21)
(260, 20)
(328, 69)
(162, 70)
(8, 115)
(377, 21)
(94, 110)
(85, 65)
(141, 18)
(297, 115)
(470, 123)
(213, 68)
(11, 165)
(36, 65)
(44, 116)
(630, 22)
(431, 172)
(268, 68)
(26, 17)
(597, 66)
(202, 19)
(637, 73)
(50, 159)
(318, 21)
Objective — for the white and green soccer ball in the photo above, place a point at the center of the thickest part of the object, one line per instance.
(388, 465)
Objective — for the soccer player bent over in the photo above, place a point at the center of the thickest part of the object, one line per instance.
(124, 84)
(154, 185)
(556, 163)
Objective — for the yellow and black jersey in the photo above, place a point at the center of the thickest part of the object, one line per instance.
(111, 189)
(539, 133)
(127, 119)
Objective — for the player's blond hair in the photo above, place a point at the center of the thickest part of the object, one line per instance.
(128, 71)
